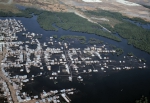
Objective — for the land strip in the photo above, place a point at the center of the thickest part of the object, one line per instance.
(13, 93)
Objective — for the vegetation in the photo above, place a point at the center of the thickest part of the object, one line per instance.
(119, 51)
(46, 20)
(4, 1)
(136, 36)
(143, 60)
(142, 100)
(130, 54)
(21, 13)
(10, 14)
(64, 102)
(138, 20)
(68, 21)
(55, 36)
(94, 41)
(34, 11)
(8, 8)
(80, 38)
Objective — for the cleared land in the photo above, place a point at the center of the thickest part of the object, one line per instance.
(9, 8)
(50, 5)
(128, 8)
(125, 8)
(92, 0)
(4, 1)
(127, 3)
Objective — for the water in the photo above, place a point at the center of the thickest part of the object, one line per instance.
(99, 88)
(20, 7)
(145, 26)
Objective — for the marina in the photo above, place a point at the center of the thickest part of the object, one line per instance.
(55, 61)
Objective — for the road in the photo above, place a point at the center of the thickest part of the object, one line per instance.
(10, 87)
(12, 90)
(79, 13)
(83, 16)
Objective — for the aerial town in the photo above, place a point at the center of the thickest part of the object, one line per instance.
(53, 59)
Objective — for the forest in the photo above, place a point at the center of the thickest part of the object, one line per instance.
(68, 21)
(79, 38)
(136, 36)
(94, 41)
(10, 14)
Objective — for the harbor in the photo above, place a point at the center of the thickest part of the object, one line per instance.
(32, 58)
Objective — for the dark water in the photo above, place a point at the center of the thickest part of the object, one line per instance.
(20, 7)
(145, 26)
(99, 88)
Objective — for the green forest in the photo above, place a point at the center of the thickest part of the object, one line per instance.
(136, 36)
(10, 14)
(68, 21)
(81, 39)
(94, 41)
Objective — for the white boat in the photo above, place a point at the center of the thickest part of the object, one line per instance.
(49, 67)
(21, 70)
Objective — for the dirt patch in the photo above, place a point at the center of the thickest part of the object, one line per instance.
(112, 5)
(68, 5)
(4, 1)
(50, 5)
